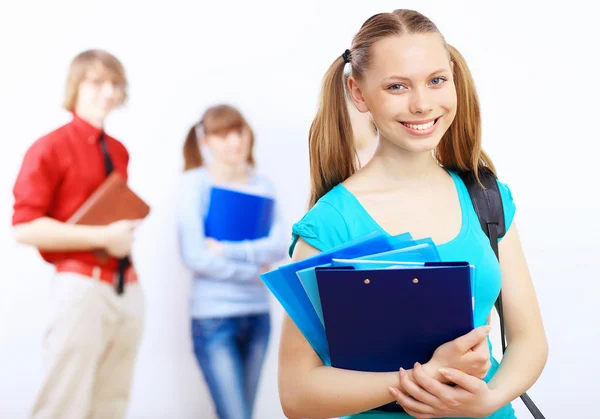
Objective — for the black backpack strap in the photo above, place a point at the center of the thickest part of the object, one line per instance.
(490, 211)
(487, 202)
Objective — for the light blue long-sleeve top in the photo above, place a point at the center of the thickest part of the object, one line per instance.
(227, 285)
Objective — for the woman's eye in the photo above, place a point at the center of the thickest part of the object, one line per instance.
(438, 80)
(396, 86)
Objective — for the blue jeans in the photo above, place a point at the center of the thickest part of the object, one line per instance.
(231, 352)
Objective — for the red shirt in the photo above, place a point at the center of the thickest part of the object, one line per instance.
(59, 172)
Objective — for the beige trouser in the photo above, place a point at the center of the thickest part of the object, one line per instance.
(89, 349)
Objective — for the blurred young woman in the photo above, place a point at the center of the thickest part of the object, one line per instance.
(229, 304)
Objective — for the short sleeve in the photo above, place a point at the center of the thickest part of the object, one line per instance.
(36, 184)
(508, 204)
(323, 227)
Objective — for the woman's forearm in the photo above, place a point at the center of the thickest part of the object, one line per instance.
(520, 368)
(327, 392)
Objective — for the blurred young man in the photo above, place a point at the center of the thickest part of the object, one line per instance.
(94, 331)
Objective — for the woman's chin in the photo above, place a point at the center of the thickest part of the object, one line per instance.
(419, 145)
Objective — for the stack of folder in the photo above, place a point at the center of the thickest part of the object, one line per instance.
(377, 303)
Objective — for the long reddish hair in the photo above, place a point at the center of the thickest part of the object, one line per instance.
(331, 144)
(217, 120)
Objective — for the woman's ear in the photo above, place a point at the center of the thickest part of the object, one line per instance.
(356, 95)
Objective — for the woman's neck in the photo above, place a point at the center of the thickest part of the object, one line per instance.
(399, 167)
(366, 151)
(233, 174)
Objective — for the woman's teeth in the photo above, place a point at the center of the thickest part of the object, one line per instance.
(419, 127)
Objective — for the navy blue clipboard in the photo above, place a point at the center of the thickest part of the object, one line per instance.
(237, 216)
(379, 320)
(382, 319)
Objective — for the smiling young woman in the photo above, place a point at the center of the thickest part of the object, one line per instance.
(422, 99)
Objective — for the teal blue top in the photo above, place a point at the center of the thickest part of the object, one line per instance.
(339, 217)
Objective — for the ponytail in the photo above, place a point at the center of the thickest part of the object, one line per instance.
(332, 153)
(460, 148)
(191, 151)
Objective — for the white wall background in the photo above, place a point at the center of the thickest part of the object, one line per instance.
(540, 110)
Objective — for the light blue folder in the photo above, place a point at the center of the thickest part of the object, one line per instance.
(423, 251)
(288, 290)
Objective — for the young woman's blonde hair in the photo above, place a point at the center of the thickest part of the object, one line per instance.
(331, 144)
(106, 65)
(217, 120)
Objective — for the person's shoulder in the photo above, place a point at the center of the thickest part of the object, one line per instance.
(192, 185)
(117, 144)
(503, 187)
(197, 176)
(505, 190)
(508, 203)
(49, 142)
(265, 181)
(323, 226)
(325, 210)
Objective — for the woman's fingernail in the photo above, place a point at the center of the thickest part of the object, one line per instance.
(445, 372)
(393, 391)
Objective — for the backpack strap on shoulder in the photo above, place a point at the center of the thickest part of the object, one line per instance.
(487, 202)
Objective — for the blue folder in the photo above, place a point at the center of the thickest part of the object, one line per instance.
(237, 216)
(382, 319)
(287, 289)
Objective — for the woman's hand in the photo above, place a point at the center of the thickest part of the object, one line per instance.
(424, 397)
(214, 246)
(468, 353)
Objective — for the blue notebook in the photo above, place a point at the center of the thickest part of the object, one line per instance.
(382, 319)
(237, 216)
